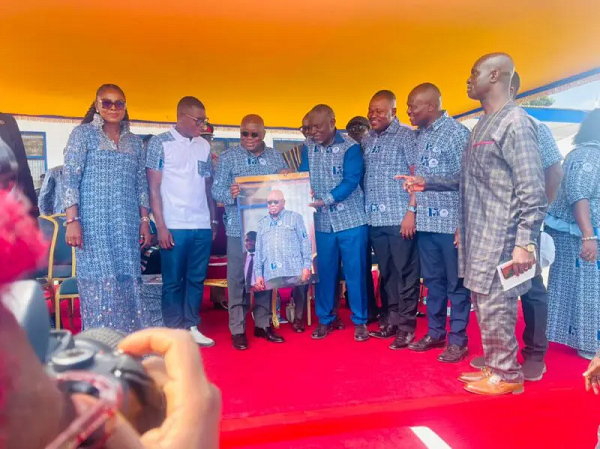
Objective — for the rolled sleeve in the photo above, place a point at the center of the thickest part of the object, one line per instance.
(549, 151)
(155, 157)
(75, 159)
(353, 171)
(223, 179)
(522, 154)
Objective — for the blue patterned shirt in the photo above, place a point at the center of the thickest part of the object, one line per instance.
(50, 198)
(581, 181)
(440, 150)
(335, 174)
(549, 151)
(238, 161)
(283, 247)
(386, 155)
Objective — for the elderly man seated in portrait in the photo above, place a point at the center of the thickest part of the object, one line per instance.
(283, 249)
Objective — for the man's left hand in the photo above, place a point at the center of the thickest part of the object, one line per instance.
(317, 204)
(408, 227)
(259, 285)
(592, 376)
(305, 275)
(522, 260)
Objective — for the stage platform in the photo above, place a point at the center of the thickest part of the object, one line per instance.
(337, 393)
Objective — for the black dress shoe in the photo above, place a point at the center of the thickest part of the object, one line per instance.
(221, 305)
(268, 334)
(240, 342)
(337, 324)
(321, 331)
(298, 325)
(426, 343)
(388, 331)
(403, 339)
(361, 333)
(453, 354)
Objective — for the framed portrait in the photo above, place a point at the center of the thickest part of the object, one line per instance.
(278, 230)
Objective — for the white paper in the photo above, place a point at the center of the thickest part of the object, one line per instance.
(513, 281)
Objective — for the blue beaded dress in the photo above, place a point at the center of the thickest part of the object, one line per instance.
(108, 183)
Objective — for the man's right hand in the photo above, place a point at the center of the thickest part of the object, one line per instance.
(235, 190)
(165, 238)
(412, 183)
(456, 238)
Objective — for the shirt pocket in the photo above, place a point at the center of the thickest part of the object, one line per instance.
(483, 158)
(205, 169)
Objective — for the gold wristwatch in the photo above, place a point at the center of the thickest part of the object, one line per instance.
(530, 248)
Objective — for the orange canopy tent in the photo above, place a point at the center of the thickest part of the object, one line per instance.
(277, 58)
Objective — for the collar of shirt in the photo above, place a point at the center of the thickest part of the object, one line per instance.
(435, 125)
(279, 216)
(179, 138)
(338, 138)
(392, 128)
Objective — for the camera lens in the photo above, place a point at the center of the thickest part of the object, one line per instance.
(76, 358)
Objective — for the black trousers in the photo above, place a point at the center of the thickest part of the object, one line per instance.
(535, 313)
(399, 266)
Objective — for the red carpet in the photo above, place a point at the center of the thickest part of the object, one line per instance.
(337, 393)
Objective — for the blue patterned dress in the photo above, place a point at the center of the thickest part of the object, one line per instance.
(574, 284)
(108, 183)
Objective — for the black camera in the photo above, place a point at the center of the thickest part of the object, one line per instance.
(93, 351)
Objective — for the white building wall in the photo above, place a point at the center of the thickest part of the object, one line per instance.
(57, 132)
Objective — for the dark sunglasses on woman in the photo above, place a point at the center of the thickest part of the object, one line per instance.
(108, 104)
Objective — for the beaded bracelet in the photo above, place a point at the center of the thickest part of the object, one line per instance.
(145, 219)
(587, 239)
(71, 220)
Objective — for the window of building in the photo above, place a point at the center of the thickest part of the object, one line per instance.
(35, 149)
(284, 146)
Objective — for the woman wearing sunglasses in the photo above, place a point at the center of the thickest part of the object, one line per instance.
(106, 203)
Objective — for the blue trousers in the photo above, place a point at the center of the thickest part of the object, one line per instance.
(183, 272)
(351, 244)
(439, 267)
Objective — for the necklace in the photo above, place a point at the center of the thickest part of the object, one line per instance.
(489, 123)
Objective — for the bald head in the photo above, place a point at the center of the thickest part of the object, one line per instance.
(490, 76)
(385, 95)
(253, 119)
(382, 110)
(424, 105)
(321, 121)
(252, 133)
(322, 109)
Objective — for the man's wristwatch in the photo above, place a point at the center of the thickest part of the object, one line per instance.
(412, 209)
(530, 248)
(215, 222)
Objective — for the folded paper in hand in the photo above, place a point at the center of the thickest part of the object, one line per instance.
(508, 278)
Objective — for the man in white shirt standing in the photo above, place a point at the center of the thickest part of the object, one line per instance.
(179, 170)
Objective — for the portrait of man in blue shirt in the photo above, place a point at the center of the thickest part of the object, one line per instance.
(283, 247)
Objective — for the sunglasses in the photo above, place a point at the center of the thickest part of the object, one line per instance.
(202, 121)
(271, 202)
(357, 128)
(108, 104)
(254, 135)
